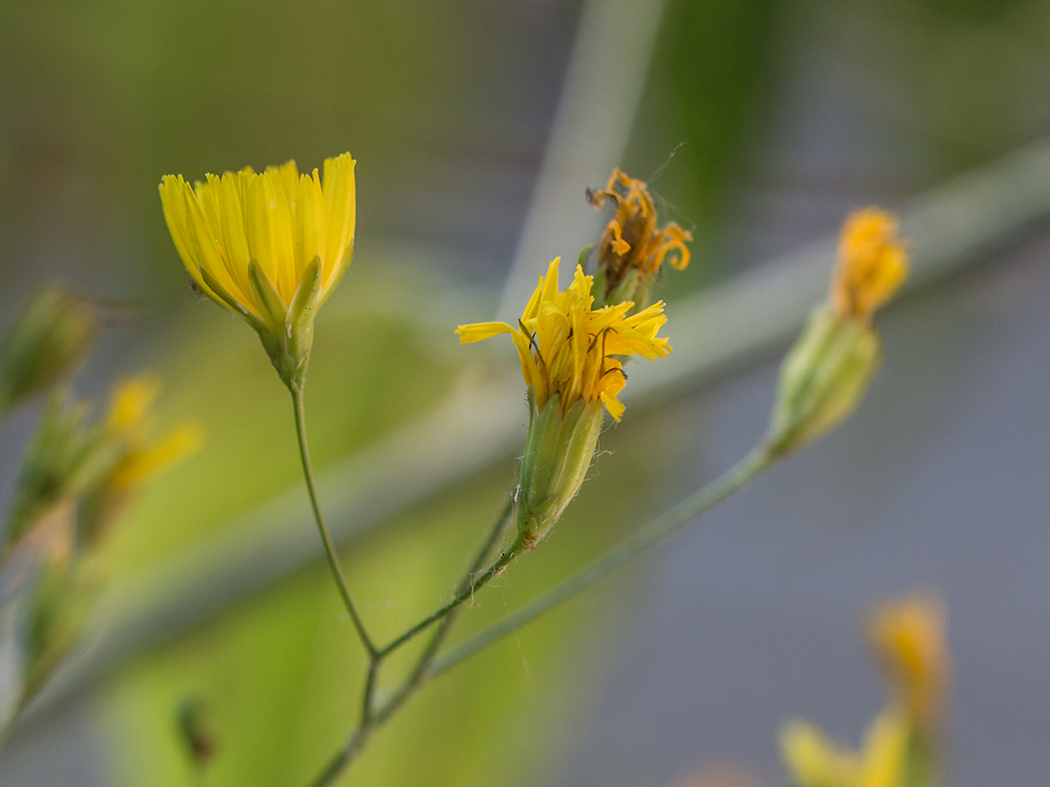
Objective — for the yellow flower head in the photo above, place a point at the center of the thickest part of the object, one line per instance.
(631, 239)
(872, 264)
(569, 348)
(128, 425)
(814, 761)
(281, 219)
(907, 637)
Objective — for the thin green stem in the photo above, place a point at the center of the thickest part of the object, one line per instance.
(326, 538)
(464, 593)
(420, 670)
(430, 664)
(658, 529)
(369, 719)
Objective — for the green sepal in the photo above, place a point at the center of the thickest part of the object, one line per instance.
(265, 295)
(305, 302)
(822, 379)
(226, 299)
(558, 454)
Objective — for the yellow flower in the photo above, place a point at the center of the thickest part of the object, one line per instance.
(907, 636)
(814, 761)
(269, 247)
(631, 249)
(872, 264)
(128, 424)
(571, 349)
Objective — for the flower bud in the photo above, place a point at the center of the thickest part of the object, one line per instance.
(46, 340)
(558, 453)
(828, 370)
(822, 379)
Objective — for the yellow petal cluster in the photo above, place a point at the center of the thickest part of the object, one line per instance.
(631, 238)
(567, 347)
(280, 218)
(814, 761)
(128, 424)
(907, 637)
(872, 264)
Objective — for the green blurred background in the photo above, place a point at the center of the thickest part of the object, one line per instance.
(781, 116)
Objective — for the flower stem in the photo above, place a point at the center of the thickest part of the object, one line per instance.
(430, 664)
(326, 538)
(374, 717)
(664, 525)
(466, 590)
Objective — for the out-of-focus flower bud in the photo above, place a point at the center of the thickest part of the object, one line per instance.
(631, 251)
(66, 456)
(826, 373)
(46, 340)
(99, 465)
(907, 638)
(558, 452)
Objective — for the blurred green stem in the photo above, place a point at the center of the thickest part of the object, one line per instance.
(326, 538)
(430, 664)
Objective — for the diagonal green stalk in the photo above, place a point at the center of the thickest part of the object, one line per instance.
(430, 664)
(374, 717)
(658, 529)
(326, 538)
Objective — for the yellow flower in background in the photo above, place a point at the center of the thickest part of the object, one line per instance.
(814, 761)
(632, 249)
(128, 424)
(824, 376)
(872, 264)
(907, 637)
(269, 246)
(571, 349)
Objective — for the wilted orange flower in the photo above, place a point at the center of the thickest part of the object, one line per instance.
(631, 239)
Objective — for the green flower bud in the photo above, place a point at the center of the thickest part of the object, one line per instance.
(46, 340)
(822, 379)
(558, 453)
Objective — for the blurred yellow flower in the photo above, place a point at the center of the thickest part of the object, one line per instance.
(872, 264)
(128, 425)
(569, 348)
(814, 761)
(907, 637)
(281, 219)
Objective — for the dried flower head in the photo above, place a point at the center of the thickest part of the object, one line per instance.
(631, 246)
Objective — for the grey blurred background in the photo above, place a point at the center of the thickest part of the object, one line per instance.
(760, 124)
